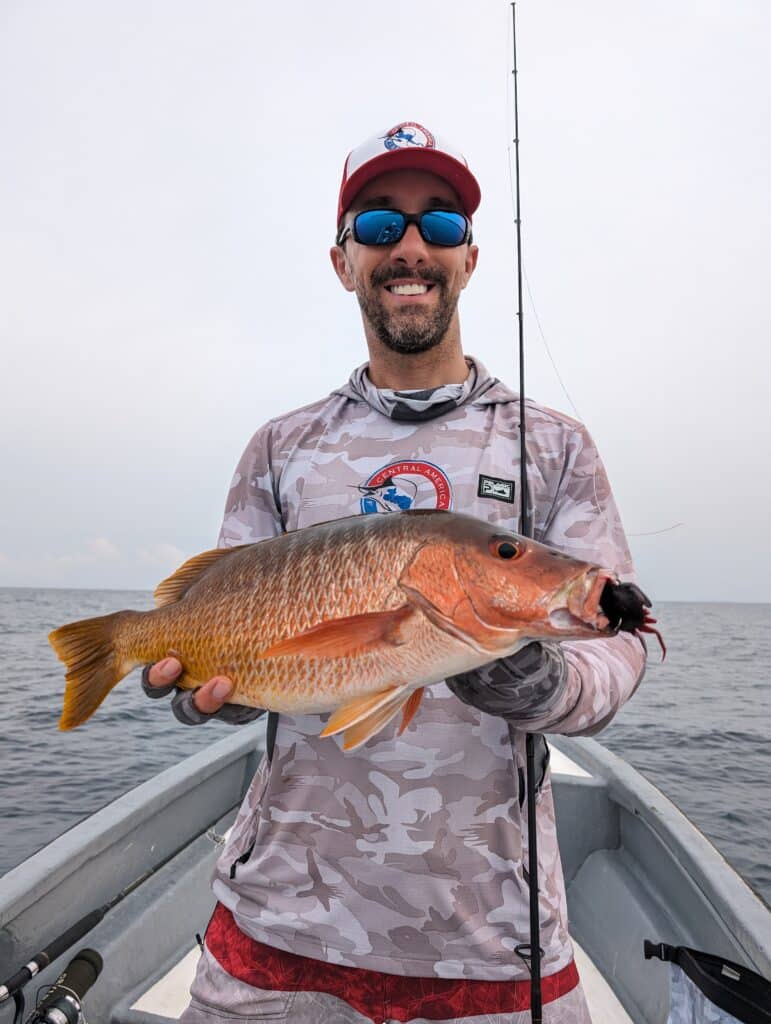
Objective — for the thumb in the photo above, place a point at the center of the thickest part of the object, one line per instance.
(212, 695)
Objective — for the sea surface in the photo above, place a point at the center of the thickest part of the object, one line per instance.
(699, 727)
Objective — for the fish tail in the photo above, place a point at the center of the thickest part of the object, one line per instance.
(94, 664)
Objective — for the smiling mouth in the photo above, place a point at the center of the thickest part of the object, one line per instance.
(414, 288)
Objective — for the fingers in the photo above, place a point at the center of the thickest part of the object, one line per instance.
(164, 672)
(207, 699)
(212, 695)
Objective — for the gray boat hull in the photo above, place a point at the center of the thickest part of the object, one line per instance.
(635, 868)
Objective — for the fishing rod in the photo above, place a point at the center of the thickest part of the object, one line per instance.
(63, 1003)
(624, 604)
(526, 528)
(525, 524)
(13, 986)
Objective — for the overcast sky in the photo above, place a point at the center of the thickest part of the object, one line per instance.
(168, 187)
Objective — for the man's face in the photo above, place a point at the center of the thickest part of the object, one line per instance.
(406, 323)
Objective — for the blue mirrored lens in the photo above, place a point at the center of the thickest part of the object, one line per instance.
(442, 227)
(387, 227)
(379, 227)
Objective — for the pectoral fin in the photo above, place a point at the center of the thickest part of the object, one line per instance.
(352, 635)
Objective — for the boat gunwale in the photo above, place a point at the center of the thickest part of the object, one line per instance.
(743, 912)
(99, 833)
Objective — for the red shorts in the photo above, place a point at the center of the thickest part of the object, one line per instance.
(266, 967)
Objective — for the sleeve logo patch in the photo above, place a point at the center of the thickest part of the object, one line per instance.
(494, 487)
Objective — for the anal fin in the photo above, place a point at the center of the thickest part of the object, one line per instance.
(360, 719)
(360, 708)
(412, 705)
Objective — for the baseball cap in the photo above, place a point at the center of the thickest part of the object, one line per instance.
(407, 146)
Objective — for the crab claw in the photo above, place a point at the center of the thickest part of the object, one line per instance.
(647, 627)
(626, 607)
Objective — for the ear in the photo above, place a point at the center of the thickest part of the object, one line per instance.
(342, 268)
(471, 262)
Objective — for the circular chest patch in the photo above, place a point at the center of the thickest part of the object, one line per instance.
(403, 485)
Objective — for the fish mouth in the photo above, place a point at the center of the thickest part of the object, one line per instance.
(577, 609)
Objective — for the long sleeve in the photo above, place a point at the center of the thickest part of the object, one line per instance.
(252, 507)
(601, 675)
(578, 686)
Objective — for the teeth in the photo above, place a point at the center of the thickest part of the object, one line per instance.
(408, 289)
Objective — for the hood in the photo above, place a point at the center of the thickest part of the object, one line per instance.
(479, 388)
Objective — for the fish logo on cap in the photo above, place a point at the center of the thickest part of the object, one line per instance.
(409, 133)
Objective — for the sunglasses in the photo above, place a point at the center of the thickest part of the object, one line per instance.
(387, 227)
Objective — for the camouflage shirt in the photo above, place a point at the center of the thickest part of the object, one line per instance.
(409, 855)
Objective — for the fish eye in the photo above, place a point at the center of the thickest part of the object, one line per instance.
(504, 548)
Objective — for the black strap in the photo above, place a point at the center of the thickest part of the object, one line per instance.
(732, 987)
(542, 758)
(270, 736)
(270, 742)
(242, 859)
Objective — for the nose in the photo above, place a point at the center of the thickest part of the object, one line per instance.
(410, 249)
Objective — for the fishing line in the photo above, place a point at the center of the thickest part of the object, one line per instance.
(552, 360)
(520, 262)
(548, 350)
(653, 533)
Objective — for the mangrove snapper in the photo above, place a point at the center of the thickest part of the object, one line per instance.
(354, 616)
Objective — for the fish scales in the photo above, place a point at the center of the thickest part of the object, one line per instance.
(338, 575)
(350, 616)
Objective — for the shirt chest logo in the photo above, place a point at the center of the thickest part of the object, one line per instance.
(403, 485)
(494, 487)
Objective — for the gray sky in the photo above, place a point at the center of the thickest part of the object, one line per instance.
(168, 188)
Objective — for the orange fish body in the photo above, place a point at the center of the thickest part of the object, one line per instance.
(353, 616)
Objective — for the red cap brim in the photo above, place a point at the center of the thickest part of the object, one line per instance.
(443, 165)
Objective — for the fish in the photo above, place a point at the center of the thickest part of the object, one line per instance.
(353, 617)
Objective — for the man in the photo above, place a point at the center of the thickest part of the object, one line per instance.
(391, 882)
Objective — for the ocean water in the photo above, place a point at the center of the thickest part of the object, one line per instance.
(699, 727)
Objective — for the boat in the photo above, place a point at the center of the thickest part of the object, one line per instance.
(635, 869)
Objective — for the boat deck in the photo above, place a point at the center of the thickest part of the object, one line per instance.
(169, 995)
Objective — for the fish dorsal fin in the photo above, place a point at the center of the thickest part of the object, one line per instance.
(176, 586)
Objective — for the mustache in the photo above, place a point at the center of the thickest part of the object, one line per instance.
(430, 275)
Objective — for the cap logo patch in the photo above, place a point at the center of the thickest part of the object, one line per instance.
(408, 134)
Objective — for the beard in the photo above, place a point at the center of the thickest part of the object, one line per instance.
(413, 328)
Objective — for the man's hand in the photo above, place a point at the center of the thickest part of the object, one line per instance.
(193, 707)
(519, 687)
(207, 699)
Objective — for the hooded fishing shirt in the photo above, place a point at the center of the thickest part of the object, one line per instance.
(409, 855)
